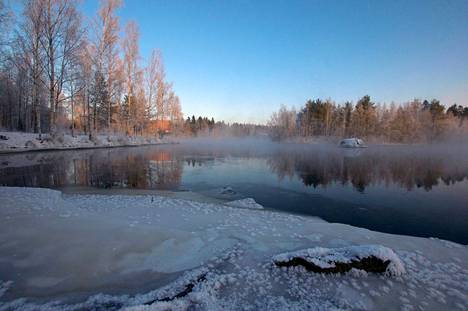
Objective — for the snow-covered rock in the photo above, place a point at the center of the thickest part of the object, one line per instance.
(352, 143)
(370, 258)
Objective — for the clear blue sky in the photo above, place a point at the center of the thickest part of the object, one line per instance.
(239, 60)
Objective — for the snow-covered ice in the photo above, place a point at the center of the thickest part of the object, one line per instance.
(245, 203)
(144, 252)
(227, 190)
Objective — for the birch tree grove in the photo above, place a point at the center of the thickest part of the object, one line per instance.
(62, 72)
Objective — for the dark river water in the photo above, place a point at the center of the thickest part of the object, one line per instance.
(410, 190)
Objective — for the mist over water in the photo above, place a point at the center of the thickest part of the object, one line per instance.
(419, 190)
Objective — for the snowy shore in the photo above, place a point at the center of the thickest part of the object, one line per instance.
(13, 142)
(79, 252)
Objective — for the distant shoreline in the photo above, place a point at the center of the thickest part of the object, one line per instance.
(24, 150)
(18, 142)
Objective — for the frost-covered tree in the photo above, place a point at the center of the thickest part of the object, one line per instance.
(283, 123)
(61, 40)
(133, 76)
(105, 54)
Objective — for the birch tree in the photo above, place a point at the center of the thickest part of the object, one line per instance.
(61, 41)
(86, 77)
(29, 41)
(132, 74)
(106, 55)
(162, 90)
(175, 113)
(152, 78)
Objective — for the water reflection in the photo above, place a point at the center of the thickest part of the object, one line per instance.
(363, 168)
(123, 168)
(162, 168)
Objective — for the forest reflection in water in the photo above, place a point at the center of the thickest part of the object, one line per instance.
(162, 167)
(361, 168)
(103, 168)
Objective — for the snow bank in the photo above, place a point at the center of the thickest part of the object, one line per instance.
(371, 258)
(19, 141)
(245, 203)
(81, 252)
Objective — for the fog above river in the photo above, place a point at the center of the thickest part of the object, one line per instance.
(316, 165)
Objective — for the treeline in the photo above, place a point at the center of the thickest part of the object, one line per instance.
(60, 71)
(205, 127)
(412, 122)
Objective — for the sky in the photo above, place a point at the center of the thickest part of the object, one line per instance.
(240, 60)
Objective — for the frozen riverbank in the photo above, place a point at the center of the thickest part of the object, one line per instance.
(13, 142)
(150, 252)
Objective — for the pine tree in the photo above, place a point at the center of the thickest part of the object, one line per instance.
(100, 101)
